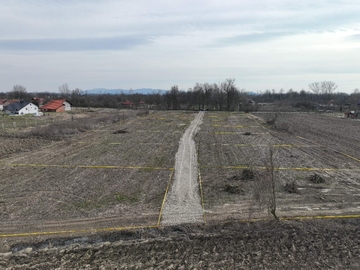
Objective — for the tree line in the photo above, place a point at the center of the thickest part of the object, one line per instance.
(223, 96)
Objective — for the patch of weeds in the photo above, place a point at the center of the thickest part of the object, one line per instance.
(233, 189)
(159, 161)
(234, 177)
(292, 187)
(316, 179)
(120, 131)
(124, 198)
(248, 174)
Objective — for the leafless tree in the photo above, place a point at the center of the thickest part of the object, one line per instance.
(64, 89)
(324, 87)
(315, 87)
(265, 189)
(18, 91)
(228, 86)
(328, 87)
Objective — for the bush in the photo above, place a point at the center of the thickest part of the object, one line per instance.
(291, 187)
(233, 189)
(316, 179)
(248, 174)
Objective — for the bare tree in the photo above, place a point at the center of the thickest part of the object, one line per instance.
(315, 87)
(265, 188)
(18, 91)
(228, 86)
(324, 87)
(328, 87)
(64, 89)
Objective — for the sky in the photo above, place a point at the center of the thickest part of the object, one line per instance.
(125, 44)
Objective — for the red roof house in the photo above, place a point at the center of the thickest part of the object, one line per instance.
(2, 101)
(127, 104)
(58, 105)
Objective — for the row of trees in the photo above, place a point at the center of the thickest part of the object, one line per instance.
(203, 96)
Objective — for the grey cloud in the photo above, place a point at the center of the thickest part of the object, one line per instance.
(249, 38)
(355, 37)
(81, 44)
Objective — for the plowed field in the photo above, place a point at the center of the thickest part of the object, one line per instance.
(117, 176)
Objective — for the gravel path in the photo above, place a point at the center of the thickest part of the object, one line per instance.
(183, 204)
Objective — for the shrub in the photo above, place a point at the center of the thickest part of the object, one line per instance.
(316, 179)
(248, 174)
(291, 187)
(233, 189)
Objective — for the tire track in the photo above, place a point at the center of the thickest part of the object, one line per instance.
(183, 204)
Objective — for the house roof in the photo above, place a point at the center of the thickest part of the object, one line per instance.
(127, 103)
(54, 104)
(16, 106)
(10, 101)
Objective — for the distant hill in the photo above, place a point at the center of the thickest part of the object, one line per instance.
(143, 91)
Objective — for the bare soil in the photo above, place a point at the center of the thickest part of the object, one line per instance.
(106, 179)
(316, 244)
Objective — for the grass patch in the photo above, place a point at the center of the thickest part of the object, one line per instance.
(124, 198)
(316, 179)
(292, 187)
(233, 189)
(248, 174)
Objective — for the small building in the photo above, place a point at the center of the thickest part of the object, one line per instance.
(351, 114)
(2, 101)
(22, 107)
(142, 105)
(38, 100)
(9, 101)
(127, 104)
(57, 105)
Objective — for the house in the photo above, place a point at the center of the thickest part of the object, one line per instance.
(127, 104)
(9, 101)
(57, 105)
(142, 105)
(22, 107)
(2, 101)
(37, 100)
(351, 114)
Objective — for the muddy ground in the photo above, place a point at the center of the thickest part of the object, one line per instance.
(116, 175)
(316, 244)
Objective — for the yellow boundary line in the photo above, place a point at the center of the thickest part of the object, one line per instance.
(156, 226)
(287, 169)
(164, 200)
(78, 231)
(91, 167)
(336, 151)
(302, 218)
(200, 186)
(202, 195)
(266, 145)
(237, 132)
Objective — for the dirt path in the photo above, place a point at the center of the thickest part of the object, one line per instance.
(183, 203)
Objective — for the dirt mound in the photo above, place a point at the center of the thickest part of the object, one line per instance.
(262, 245)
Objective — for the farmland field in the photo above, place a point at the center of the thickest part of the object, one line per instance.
(117, 174)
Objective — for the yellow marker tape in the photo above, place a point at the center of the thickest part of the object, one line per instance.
(342, 153)
(288, 169)
(77, 231)
(302, 218)
(358, 160)
(164, 200)
(91, 167)
(237, 132)
(202, 195)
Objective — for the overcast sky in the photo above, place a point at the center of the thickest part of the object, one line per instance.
(159, 43)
